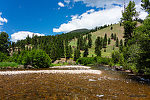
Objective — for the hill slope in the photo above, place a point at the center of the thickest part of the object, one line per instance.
(117, 29)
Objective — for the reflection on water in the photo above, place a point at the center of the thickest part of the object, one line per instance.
(109, 85)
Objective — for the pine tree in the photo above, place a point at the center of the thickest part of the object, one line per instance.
(80, 43)
(128, 21)
(4, 42)
(112, 36)
(111, 28)
(28, 40)
(89, 40)
(104, 49)
(76, 54)
(146, 5)
(117, 42)
(105, 41)
(109, 40)
(115, 37)
(121, 45)
(68, 50)
(13, 46)
(86, 52)
(98, 46)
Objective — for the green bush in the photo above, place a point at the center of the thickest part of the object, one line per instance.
(3, 57)
(117, 57)
(102, 60)
(35, 58)
(20, 58)
(86, 60)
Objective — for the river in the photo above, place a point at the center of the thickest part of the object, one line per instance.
(110, 84)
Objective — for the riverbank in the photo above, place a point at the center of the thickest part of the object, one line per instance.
(80, 70)
(134, 76)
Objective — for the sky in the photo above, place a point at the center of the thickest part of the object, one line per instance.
(20, 18)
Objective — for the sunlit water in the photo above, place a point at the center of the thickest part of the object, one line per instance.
(108, 85)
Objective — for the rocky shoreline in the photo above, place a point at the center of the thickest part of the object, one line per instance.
(81, 70)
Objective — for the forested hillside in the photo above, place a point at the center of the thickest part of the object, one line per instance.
(115, 29)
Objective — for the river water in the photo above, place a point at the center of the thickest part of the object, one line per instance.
(110, 85)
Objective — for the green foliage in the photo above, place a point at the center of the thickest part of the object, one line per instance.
(8, 64)
(4, 42)
(89, 40)
(128, 21)
(35, 58)
(109, 41)
(105, 41)
(102, 60)
(142, 34)
(115, 37)
(146, 5)
(3, 57)
(112, 36)
(76, 54)
(98, 51)
(111, 28)
(117, 57)
(121, 45)
(80, 43)
(98, 46)
(117, 42)
(28, 40)
(104, 49)
(86, 60)
(86, 52)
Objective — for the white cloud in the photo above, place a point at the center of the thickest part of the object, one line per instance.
(2, 20)
(142, 13)
(67, 1)
(92, 18)
(61, 4)
(22, 35)
(102, 3)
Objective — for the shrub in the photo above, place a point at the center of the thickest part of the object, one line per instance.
(102, 60)
(117, 57)
(3, 57)
(38, 59)
(86, 60)
(35, 58)
(21, 57)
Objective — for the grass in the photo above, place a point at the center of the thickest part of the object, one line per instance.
(8, 64)
(117, 29)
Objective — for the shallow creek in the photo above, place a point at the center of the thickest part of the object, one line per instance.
(110, 85)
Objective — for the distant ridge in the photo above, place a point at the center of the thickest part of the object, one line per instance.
(79, 30)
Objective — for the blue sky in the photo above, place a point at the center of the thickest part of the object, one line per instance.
(49, 17)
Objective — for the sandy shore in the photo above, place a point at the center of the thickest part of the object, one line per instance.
(89, 71)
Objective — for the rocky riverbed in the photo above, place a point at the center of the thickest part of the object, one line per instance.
(77, 84)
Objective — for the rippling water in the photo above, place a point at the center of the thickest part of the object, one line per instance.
(108, 85)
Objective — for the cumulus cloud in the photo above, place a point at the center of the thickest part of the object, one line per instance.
(22, 35)
(142, 13)
(61, 4)
(92, 18)
(2, 20)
